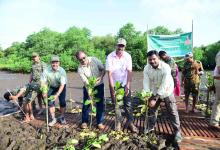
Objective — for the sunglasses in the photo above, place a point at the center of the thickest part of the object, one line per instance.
(121, 45)
(82, 59)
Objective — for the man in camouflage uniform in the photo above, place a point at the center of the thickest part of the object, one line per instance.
(36, 71)
(191, 79)
(171, 62)
(25, 95)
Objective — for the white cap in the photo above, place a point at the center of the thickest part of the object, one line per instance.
(121, 41)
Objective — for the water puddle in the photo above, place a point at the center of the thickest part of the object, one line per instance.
(7, 108)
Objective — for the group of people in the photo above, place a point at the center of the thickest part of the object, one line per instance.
(160, 78)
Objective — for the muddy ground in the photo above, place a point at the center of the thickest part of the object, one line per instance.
(16, 135)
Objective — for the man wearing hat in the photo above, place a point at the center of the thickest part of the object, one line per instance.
(119, 68)
(36, 72)
(174, 71)
(191, 79)
(55, 78)
(24, 95)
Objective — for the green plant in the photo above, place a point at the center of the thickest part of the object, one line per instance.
(92, 140)
(70, 144)
(143, 105)
(92, 100)
(210, 80)
(151, 138)
(119, 94)
(119, 135)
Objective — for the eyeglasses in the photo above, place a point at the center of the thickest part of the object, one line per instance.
(82, 59)
(121, 45)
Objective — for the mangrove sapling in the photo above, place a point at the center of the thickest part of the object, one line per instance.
(143, 97)
(210, 86)
(210, 81)
(92, 140)
(95, 142)
(119, 135)
(44, 90)
(92, 100)
(119, 94)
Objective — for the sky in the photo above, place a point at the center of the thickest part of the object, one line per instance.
(20, 18)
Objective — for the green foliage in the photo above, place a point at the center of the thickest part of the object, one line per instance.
(105, 43)
(1, 53)
(210, 80)
(17, 57)
(143, 96)
(70, 144)
(119, 94)
(151, 138)
(119, 135)
(92, 140)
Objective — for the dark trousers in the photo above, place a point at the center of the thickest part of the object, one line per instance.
(127, 108)
(62, 97)
(99, 105)
(170, 103)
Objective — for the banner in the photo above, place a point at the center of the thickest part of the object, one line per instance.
(175, 45)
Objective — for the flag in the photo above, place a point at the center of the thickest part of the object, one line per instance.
(175, 45)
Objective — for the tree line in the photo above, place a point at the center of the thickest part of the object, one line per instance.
(17, 57)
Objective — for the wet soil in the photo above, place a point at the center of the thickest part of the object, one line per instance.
(15, 135)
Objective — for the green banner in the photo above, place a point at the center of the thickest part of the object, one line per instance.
(175, 45)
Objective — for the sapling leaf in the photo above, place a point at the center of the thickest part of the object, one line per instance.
(120, 103)
(119, 97)
(73, 141)
(104, 137)
(95, 92)
(87, 102)
(121, 91)
(96, 144)
(97, 100)
(94, 110)
(117, 85)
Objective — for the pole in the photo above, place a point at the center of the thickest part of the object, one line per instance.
(17, 103)
(46, 101)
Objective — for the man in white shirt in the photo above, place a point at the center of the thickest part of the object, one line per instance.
(119, 68)
(159, 81)
(215, 117)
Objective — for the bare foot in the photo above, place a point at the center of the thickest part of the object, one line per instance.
(31, 117)
(26, 119)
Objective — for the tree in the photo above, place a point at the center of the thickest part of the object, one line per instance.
(1, 52)
(106, 43)
(44, 42)
(210, 52)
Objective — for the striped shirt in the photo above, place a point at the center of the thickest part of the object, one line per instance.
(94, 68)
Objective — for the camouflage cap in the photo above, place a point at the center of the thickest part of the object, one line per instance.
(34, 54)
(55, 58)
